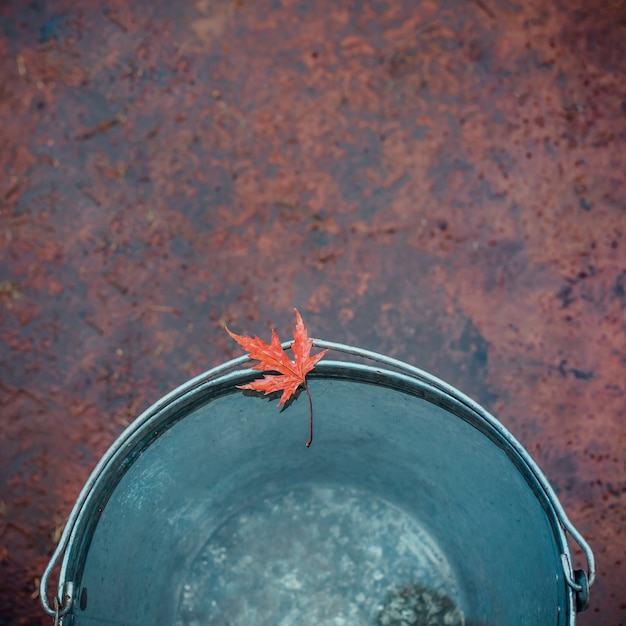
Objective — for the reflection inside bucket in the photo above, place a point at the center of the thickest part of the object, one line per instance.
(420, 606)
(320, 556)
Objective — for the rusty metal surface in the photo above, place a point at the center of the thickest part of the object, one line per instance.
(442, 182)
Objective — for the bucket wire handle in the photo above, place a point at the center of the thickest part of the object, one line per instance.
(578, 580)
(62, 602)
(590, 575)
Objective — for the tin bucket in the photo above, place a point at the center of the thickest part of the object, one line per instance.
(413, 506)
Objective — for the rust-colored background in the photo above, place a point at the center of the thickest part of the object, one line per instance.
(441, 181)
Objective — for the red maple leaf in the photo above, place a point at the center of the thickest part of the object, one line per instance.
(272, 358)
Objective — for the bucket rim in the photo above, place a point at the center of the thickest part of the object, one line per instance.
(578, 581)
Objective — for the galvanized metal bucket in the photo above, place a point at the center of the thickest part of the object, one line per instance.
(413, 503)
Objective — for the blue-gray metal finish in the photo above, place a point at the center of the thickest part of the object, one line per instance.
(388, 373)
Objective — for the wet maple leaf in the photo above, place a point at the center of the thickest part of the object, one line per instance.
(272, 358)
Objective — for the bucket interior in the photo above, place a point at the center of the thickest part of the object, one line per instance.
(408, 505)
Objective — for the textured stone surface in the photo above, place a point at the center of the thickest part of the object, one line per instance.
(439, 181)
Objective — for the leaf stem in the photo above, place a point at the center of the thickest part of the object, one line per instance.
(308, 393)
